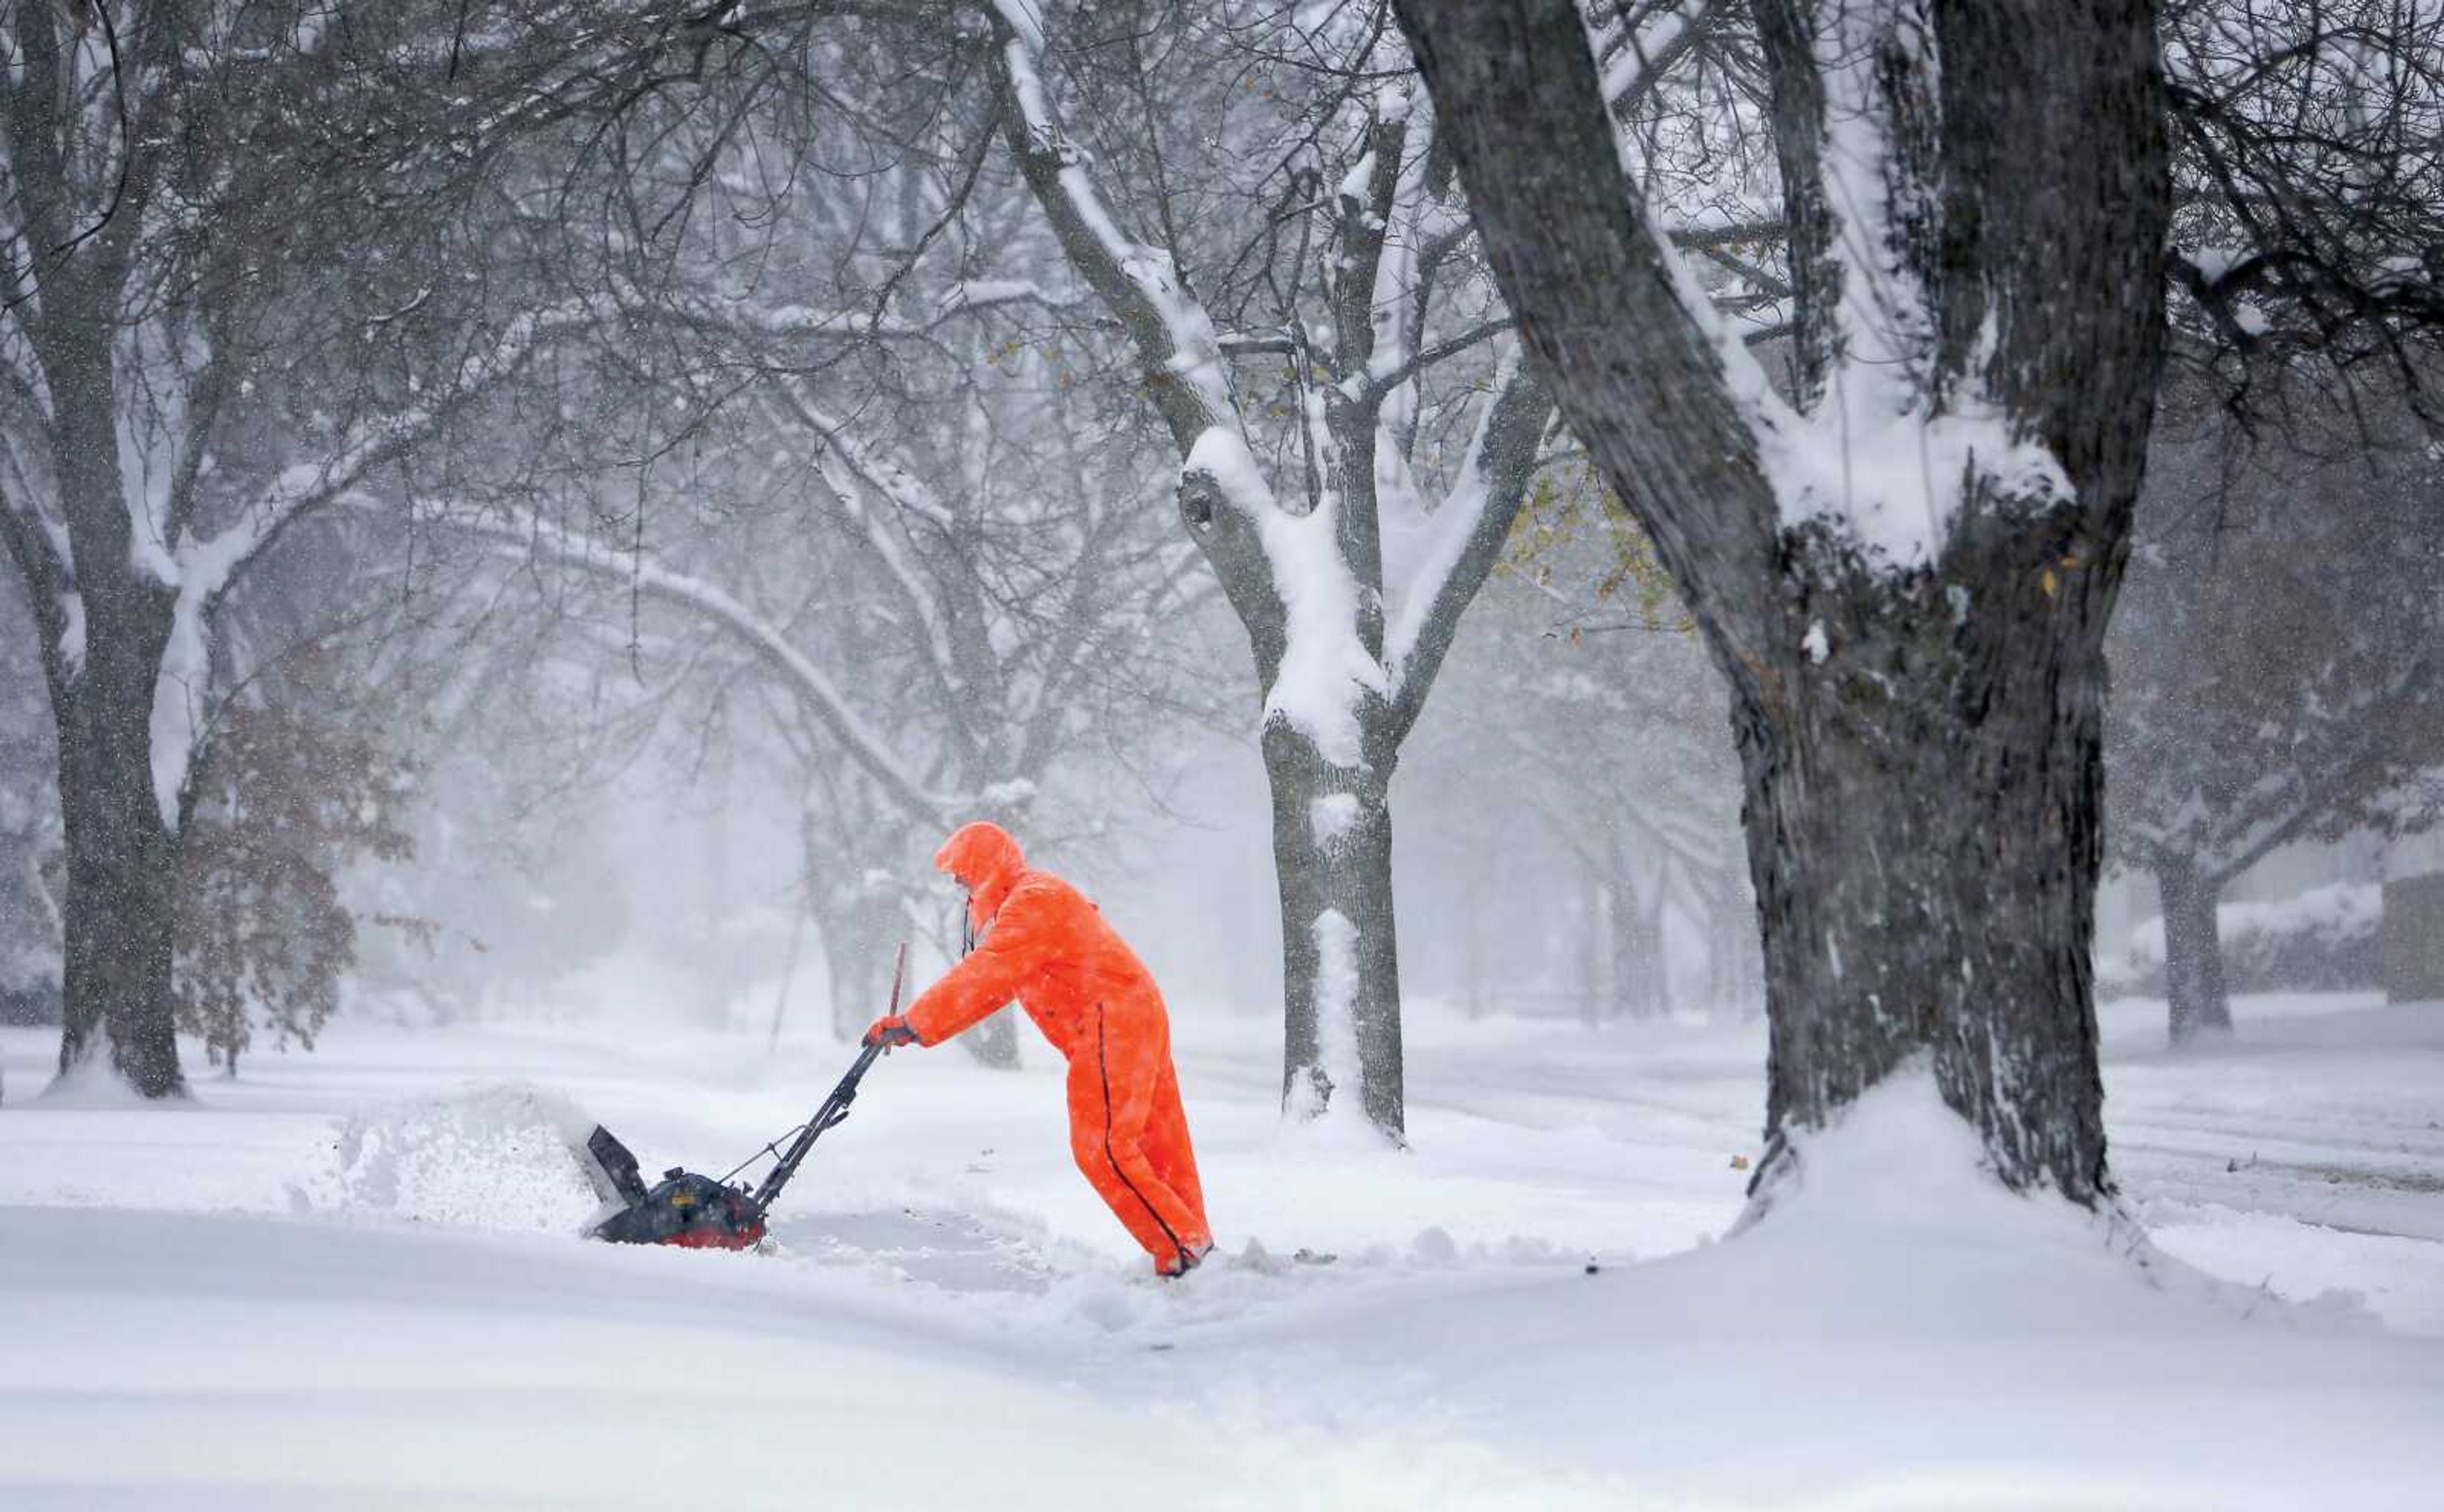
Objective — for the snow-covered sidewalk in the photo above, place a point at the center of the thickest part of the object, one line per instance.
(349, 1280)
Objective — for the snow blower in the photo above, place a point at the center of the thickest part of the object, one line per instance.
(707, 1212)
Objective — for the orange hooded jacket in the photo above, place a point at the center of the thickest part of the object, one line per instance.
(1038, 940)
(1044, 944)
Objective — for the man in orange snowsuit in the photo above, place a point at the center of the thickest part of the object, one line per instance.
(1043, 943)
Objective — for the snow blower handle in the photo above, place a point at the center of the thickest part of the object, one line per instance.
(835, 1108)
(887, 1035)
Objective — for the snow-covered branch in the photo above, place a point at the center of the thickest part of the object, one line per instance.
(906, 492)
(1464, 538)
(1637, 48)
(750, 319)
(1172, 333)
(207, 566)
(529, 536)
(1288, 575)
(2369, 754)
(848, 470)
(202, 569)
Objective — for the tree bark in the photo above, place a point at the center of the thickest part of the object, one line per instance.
(1924, 820)
(860, 931)
(1341, 962)
(1334, 872)
(1919, 738)
(1634, 931)
(122, 854)
(123, 857)
(2193, 984)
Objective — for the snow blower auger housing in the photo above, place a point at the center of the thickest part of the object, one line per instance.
(707, 1212)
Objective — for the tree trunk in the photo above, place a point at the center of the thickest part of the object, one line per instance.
(1341, 967)
(994, 1043)
(1593, 914)
(123, 863)
(1924, 814)
(1915, 654)
(1635, 933)
(860, 935)
(122, 854)
(2193, 984)
(1472, 939)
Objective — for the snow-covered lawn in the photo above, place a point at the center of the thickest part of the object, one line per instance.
(349, 1280)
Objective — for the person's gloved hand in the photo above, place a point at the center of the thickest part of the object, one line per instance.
(889, 1030)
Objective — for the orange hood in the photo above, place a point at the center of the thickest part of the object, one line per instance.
(986, 862)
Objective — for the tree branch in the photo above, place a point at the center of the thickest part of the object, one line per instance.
(531, 537)
(1174, 337)
(1471, 528)
(1596, 289)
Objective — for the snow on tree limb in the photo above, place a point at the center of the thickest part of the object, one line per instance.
(1635, 51)
(207, 566)
(848, 470)
(755, 319)
(1869, 895)
(1891, 446)
(1464, 537)
(202, 569)
(529, 535)
(1312, 583)
(895, 481)
(1288, 574)
(1172, 333)
(1323, 669)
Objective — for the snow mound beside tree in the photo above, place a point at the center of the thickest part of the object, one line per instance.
(1890, 1221)
(492, 1158)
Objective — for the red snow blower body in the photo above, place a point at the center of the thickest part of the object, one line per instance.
(707, 1212)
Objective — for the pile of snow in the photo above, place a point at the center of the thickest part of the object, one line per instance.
(2323, 940)
(1897, 1195)
(494, 1157)
(1898, 1331)
(94, 1084)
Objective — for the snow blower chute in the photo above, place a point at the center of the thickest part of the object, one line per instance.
(707, 1212)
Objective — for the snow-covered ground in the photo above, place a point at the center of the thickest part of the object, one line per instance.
(349, 1280)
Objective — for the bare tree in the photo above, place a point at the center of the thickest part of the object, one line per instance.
(2308, 200)
(186, 371)
(847, 480)
(1347, 544)
(249, 253)
(1581, 681)
(1904, 569)
(2276, 674)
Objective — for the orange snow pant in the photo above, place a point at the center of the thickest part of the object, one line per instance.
(1129, 1133)
(1047, 945)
